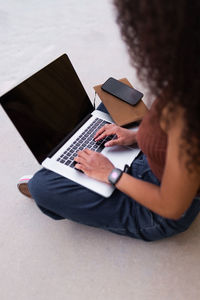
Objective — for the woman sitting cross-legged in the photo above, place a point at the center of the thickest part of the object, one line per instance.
(158, 197)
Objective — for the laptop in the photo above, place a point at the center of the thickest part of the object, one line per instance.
(54, 115)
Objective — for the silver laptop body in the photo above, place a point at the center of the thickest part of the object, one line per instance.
(51, 110)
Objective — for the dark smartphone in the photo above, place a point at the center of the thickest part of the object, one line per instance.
(122, 91)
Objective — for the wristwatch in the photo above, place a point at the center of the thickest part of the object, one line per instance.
(114, 176)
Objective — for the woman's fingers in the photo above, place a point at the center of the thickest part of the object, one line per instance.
(81, 167)
(101, 136)
(83, 155)
(106, 130)
(100, 131)
(112, 143)
(88, 151)
(85, 152)
(79, 159)
(83, 160)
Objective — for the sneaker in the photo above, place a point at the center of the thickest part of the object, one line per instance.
(23, 185)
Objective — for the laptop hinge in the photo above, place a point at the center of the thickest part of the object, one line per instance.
(69, 136)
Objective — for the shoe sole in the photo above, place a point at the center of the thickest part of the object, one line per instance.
(23, 186)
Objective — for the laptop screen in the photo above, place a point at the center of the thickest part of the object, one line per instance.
(46, 107)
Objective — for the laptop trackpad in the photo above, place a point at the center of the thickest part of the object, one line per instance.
(120, 155)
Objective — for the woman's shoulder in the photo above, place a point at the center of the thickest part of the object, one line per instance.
(172, 118)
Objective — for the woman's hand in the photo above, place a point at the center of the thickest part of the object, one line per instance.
(94, 164)
(124, 136)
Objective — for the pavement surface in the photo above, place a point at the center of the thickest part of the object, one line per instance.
(44, 259)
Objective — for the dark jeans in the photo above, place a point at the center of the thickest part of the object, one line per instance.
(61, 198)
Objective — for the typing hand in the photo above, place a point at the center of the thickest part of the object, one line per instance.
(124, 136)
(94, 164)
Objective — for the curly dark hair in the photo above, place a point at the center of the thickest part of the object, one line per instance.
(163, 40)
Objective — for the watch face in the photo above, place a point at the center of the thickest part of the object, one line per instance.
(115, 176)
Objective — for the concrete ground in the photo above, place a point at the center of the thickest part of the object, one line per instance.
(44, 259)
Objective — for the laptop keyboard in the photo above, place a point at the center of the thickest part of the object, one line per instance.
(85, 140)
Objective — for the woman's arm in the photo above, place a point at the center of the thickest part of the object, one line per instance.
(178, 187)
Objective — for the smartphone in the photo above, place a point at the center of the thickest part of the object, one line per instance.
(122, 91)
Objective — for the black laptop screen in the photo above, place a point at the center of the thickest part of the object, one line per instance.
(47, 106)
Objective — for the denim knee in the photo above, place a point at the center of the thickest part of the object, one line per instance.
(37, 186)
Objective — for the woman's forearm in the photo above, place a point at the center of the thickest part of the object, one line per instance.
(145, 193)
